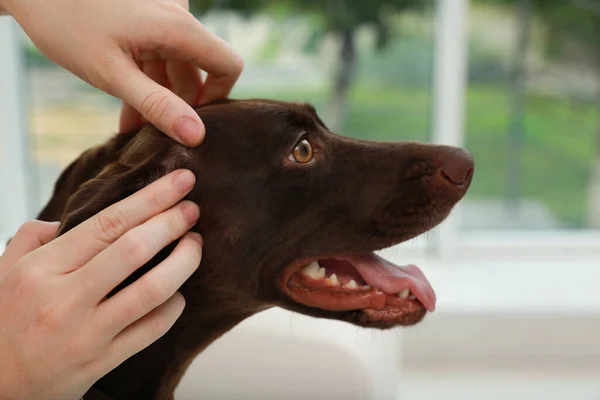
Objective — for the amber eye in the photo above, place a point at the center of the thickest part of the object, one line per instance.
(302, 153)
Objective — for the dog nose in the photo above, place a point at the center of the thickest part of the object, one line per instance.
(457, 167)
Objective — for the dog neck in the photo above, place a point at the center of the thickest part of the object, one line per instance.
(155, 372)
(214, 305)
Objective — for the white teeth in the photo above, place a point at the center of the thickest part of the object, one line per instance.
(321, 273)
(412, 297)
(332, 280)
(351, 285)
(316, 272)
(403, 294)
(312, 270)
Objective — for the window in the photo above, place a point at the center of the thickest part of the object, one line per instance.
(516, 82)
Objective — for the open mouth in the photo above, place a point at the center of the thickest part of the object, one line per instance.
(384, 292)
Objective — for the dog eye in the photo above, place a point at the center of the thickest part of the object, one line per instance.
(302, 153)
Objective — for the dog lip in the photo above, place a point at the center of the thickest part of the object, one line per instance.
(340, 299)
(391, 317)
(379, 307)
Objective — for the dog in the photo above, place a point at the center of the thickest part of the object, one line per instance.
(291, 216)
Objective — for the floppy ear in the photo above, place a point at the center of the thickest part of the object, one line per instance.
(115, 182)
(147, 157)
(85, 167)
(68, 182)
(144, 159)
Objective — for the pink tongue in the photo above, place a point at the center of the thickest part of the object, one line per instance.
(391, 279)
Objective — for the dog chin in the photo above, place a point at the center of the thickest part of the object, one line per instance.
(368, 318)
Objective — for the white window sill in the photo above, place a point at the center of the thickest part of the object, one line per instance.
(526, 287)
(495, 279)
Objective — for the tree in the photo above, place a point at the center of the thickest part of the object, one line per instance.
(341, 18)
(518, 89)
(569, 24)
(574, 33)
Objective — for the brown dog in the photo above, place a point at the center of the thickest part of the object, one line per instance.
(291, 214)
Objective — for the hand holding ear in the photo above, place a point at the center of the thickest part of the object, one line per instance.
(59, 332)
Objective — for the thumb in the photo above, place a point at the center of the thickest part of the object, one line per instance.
(30, 236)
(157, 104)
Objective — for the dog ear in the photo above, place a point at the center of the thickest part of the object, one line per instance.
(146, 158)
(114, 183)
(68, 182)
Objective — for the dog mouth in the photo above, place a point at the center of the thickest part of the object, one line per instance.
(384, 294)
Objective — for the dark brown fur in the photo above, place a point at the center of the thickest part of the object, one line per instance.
(260, 212)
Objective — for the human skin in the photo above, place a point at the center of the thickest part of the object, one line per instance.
(60, 333)
(148, 53)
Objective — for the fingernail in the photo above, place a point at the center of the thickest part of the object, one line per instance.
(184, 180)
(191, 212)
(197, 237)
(189, 131)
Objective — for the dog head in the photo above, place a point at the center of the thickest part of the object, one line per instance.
(292, 212)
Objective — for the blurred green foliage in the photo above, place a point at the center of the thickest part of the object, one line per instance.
(391, 96)
(556, 154)
(336, 16)
(570, 24)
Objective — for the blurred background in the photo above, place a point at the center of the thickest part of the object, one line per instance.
(517, 82)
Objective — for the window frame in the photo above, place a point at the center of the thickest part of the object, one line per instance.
(450, 241)
(18, 181)
(445, 246)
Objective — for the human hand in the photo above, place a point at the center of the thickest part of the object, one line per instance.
(59, 332)
(146, 52)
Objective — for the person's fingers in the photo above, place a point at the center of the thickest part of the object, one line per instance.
(157, 71)
(192, 42)
(182, 78)
(153, 288)
(185, 80)
(184, 4)
(86, 240)
(132, 250)
(30, 236)
(215, 87)
(158, 105)
(131, 120)
(143, 332)
(188, 41)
